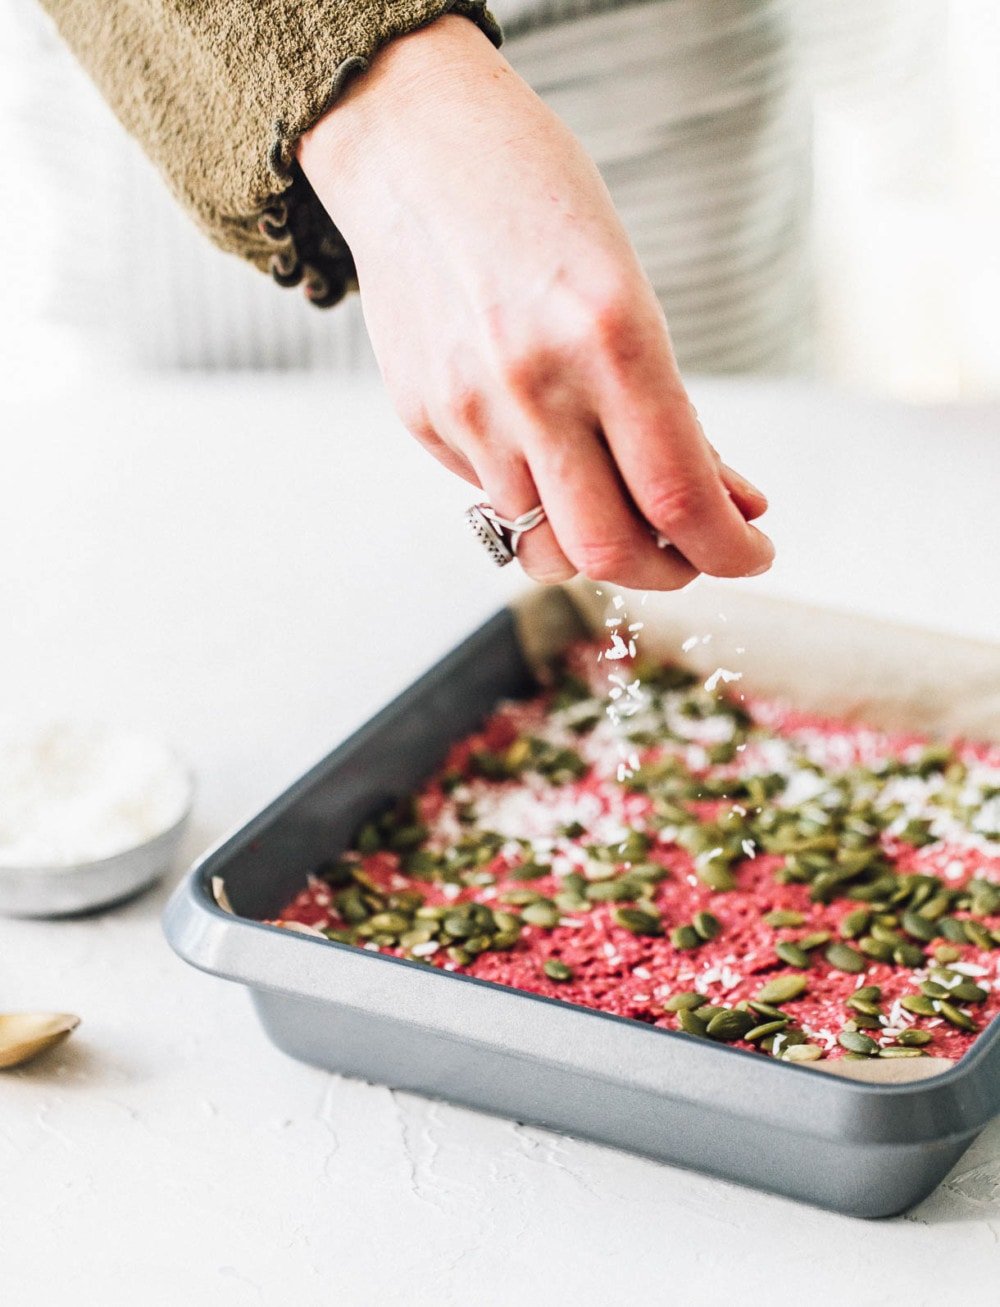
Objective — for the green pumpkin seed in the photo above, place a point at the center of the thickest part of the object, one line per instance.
(919, 927)
(855, 923)
(765, 1030)
(896, 1051)
(707, 926)
(856, 1042)
(945, 953)
(908, 955)
(919, 1004)
(637, 921)
(690, 1024)
(543, 913)
(953, 930)
(844, 958)
(866, 1006)
(818, 937)
(790, 953)
(557, 970)
(520, 898)
(459, 956)
(978, 935)
(767, 1010)
(686, 1000)
(956, 1017)
(389, 923)
(531, 871)
(685, 938)
(783, 917)
(869, 993)
(782, 989)
(914, 1038)
(505, 939)
(875, 949)
(967, 992)
(933, 990)
(802, 1053)
(716, 875)
(729, 1024)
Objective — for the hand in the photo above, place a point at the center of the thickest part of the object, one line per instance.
(516, 332)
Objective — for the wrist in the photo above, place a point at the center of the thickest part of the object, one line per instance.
(368, 129)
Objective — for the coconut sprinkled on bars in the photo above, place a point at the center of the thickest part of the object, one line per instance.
(644, 842)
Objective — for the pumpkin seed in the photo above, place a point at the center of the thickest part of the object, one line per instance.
(707, 926)
(543, 913)
(690, 1024)
(914, 1038)
(767, 1010)
(766, 1029)
(919, 927)
(802, 1053)
(977, 934)
(856, 1042)
(716, 875)
(956, 1017)
(908, 955)
(945, 953)
(789, 952)
(967, 992)
(678, 1002)
(637, 921)
(815, 940)
(844, 958)
(870, 993)
(933, 990)
(919, 1004)
(459, 956)
(953, 929)
(896, 1051)
(875, 949)
(729, 1024)
(865, 1005)
(783, 917)
(685, 938)
(782, 989)
(855, 923)
(556, 969)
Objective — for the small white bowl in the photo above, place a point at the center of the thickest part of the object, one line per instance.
(42, 890)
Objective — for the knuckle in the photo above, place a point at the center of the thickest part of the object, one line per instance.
(618, 333)
(677, 503)
(602, 560)
(529, 374)
(466, 409)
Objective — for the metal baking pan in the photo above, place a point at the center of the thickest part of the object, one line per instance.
(869, 1149)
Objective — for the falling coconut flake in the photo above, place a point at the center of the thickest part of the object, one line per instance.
(722, 674)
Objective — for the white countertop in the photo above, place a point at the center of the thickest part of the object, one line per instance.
(251, 567)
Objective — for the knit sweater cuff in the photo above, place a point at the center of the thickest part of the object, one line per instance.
(218, 93)
(302, 244)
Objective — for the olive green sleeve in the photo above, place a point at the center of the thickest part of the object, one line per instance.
(218, 92)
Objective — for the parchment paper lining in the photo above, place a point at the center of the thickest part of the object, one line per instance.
(892, 676)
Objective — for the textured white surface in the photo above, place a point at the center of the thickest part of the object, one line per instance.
(251, 569)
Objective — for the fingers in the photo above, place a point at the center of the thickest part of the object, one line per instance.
(673, 476)
(751, 502)
(589, 511)
(452, 459)
(511, 490)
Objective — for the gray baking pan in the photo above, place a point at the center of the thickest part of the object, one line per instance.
(869, 1149)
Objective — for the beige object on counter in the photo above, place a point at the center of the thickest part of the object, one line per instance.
(26, 1035)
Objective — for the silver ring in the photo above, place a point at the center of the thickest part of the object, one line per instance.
(498, 535)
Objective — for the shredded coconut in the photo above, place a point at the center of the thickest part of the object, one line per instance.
(73, 795)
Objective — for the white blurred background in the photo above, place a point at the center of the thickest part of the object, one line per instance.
(893, 109)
